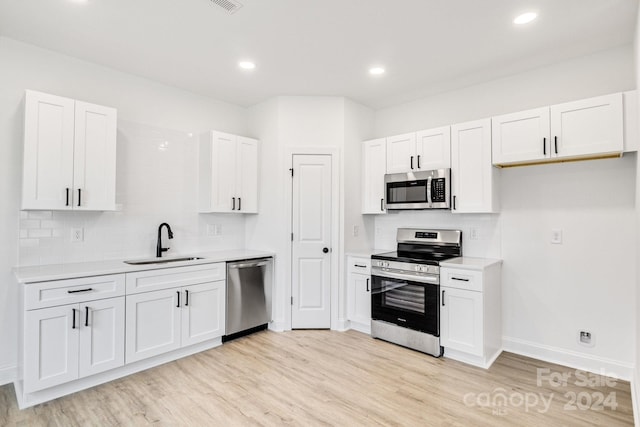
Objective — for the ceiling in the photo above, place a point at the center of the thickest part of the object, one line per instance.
(320, 47)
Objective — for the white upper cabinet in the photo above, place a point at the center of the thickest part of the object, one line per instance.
(374, 164)
(588, 127)
(423, 150)
(474, 179)
(581, 129)
(228, 173)
(521, 137)
(433, 148)
(401, 152)
(69, 154)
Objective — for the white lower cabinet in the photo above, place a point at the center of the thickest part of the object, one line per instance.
(359, 293)
(72, 341)
(470, 310)
(81, 332)
(461, 321)
(165, 320)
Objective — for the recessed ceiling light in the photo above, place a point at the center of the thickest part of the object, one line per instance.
(525, 18)
(246, 65)
(376, 71)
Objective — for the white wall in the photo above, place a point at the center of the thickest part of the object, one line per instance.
(148, 115)
(636, 379)
(549, 291)
(288, 123)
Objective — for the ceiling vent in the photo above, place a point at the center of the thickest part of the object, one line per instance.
(231, 6)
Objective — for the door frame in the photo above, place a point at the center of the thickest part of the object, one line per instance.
(336, 246)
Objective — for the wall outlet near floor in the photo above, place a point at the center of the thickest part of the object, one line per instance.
(586, 338)
(77, 235)
(556, 236)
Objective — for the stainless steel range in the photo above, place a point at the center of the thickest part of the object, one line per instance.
(405, 292)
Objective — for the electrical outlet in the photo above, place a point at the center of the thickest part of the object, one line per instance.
(356, 231)
(211, 230)
(77, 235)
(586, 338)
(556, 236)
(474, 234)
(218, 228)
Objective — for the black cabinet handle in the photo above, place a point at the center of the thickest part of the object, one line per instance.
(67, 203)
(555, 142)
(178, 292)
(367, 284)
(73, 326)
(79, 196)
(411, 162)
(233, 208)
(454, 203)
(80, 290)
(86, 315)
(382, 204)
(239, 203)
(544, 146)
(459, 279)
(360, 265)
(325, 250)
(418, 161)
(443, 297)
(186, 299)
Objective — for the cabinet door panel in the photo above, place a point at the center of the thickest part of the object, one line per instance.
(521, 137)
(474, 179)
(374, 166)
(247, 175)
(203, 315)
(360, 298)
(94, 157)
(101, 336)
(51, 347)
(433, 149)
(48, 151)
(224, 157)
(400, 149)
(153, 324)
(461, 321)
(587, 127)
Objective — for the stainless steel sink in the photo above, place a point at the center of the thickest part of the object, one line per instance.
(162, 260)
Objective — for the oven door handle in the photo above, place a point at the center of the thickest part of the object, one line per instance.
(431, 280)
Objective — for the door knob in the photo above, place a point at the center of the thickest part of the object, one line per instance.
(325, 250)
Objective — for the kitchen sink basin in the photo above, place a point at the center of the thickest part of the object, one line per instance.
(162, 260)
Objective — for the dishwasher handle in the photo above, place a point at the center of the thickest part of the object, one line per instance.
(249, 264)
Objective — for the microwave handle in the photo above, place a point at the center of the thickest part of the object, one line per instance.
(429, 180)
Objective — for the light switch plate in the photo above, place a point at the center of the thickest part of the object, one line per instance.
(556, 236)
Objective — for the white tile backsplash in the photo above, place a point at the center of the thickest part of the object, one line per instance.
(156, 182)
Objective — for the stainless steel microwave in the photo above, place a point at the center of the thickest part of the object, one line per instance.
(418, 190)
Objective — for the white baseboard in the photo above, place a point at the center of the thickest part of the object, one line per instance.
(634, 397)
(343, 325)
(8, 374)
(599, 365)
(361, 327)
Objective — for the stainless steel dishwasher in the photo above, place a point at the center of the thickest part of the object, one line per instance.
(249, 285)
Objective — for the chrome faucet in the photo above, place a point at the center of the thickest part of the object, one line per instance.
(159, 248)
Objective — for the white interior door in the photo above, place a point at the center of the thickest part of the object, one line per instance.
(311, 253)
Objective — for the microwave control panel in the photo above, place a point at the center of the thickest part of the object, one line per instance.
(438, 194)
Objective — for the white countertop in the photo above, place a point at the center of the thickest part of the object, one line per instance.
(468, 263)
(43, 273)
(366, 254)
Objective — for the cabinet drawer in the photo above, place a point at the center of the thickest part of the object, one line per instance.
(359, 265)
(60, 292)
(461, 279)
(165, 278)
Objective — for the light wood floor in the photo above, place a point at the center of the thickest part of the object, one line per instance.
(326, 378)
